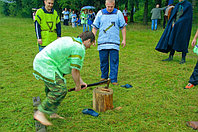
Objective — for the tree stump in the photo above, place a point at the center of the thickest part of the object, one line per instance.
(102, 99)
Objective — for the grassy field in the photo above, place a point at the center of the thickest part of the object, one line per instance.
(157, 101)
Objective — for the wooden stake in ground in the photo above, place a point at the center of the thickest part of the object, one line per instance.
(102, 99)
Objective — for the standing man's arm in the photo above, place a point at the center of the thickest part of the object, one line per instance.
(122, 25)
(58, 30)
(37, 23)
(163, 8)
(58, 26)
(195, 39)
(96, 24)
(38, 32)
(94, 30)
(124, 36)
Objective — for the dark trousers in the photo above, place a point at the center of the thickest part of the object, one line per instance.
(194, 77)
(172, 52)
(109, 56)
(66, 22)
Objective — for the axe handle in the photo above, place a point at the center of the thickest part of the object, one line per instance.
(89, 85)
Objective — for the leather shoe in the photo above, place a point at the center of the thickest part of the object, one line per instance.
(193, 124)
(103, 79)
(114, 83)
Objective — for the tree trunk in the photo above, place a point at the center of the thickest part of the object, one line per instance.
(137, 5)
(193, 3)
(126, 4)
(117, 4)
(145, 20)
(58, 8)
(132, 13)
(166, 3)
(102, 2)
(158, 2)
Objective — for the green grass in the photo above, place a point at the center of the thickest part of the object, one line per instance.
(157, 101)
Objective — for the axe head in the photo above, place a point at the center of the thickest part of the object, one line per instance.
(108, 82)
(113, 23)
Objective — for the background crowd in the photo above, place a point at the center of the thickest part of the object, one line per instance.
(83, 17)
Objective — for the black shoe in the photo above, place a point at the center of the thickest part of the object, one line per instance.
(182, 61)
(168, 59)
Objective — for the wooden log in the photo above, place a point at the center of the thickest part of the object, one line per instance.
(102, 99)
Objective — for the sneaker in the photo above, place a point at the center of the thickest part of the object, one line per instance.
(114, 83)
(189, 86)
(192, 124)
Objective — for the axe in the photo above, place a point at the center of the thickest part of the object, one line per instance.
(112, 24)
(94, 84)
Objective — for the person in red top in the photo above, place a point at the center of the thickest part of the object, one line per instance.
(125, 13)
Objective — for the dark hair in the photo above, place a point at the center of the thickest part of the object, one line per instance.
(87, 35)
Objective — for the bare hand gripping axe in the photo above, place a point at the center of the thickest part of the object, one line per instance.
(94, 84)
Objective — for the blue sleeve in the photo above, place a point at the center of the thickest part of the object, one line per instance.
(37, 30)
(58, 29)
(122, 22)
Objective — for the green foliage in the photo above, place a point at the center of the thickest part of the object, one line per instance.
(13, 10)
(23, 8)
(195, 14)
(138, 16)
(6, 10)
(1, 7)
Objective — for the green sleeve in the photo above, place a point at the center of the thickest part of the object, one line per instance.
(77, 58)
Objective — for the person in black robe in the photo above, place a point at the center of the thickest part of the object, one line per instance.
(176, 36)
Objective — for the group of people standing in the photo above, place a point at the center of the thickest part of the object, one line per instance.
(177, 33)
(156, 15)
(60, 56)
(176, 37)
(85, 18)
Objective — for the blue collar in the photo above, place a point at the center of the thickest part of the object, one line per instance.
(52, 11)
(79, 40)
(104, 11)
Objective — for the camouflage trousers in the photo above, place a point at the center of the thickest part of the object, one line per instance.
(55, 93)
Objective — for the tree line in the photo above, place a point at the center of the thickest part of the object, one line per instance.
(139, 10)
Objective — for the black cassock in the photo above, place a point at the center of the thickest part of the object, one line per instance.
(177, 38)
